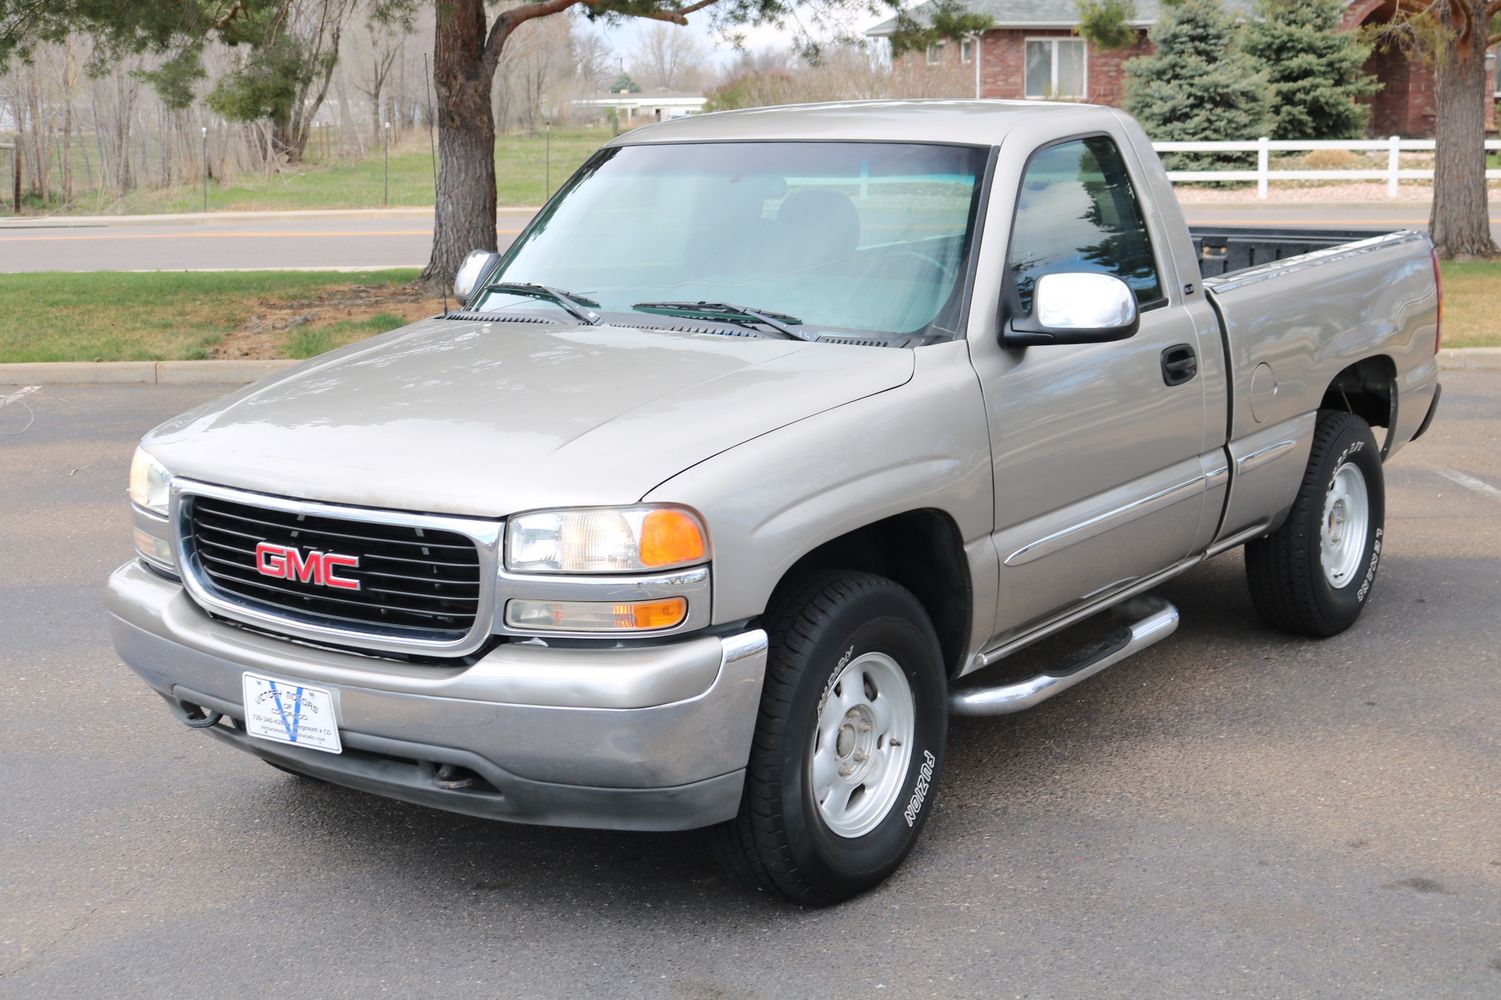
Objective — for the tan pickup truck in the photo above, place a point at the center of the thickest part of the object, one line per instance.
(758, 454)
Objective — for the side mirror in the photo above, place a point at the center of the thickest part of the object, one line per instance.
(475, 266)
(1075, 308)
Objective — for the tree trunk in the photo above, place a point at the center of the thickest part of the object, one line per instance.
(1459, 221)
(465, 211)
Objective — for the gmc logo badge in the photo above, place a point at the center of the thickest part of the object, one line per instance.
(316, 567)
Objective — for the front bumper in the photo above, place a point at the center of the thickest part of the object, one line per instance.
(641, 738)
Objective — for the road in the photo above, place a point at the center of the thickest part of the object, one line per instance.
(1232, 813)
(403, 237)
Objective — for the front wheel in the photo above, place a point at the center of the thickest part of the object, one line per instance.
(1312, 575)
(849, 742)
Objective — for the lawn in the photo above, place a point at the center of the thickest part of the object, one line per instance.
(527, 167)
(161, 316)
(164, 315)
(1472, 303)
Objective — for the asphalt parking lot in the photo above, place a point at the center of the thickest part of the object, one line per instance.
(1233, 813)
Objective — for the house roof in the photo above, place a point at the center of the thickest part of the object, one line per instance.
(1039, 13)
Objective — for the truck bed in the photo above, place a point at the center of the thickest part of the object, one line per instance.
(1223, 250)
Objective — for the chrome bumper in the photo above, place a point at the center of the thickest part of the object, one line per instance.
(644, 738)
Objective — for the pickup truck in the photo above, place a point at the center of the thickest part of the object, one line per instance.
(759, 453)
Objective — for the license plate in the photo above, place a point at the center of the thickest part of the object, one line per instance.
(289, 712)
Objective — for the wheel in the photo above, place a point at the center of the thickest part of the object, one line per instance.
(849, 743)
(1312, 576)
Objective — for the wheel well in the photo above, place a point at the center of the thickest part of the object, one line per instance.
(921, 550)
(1368, 390)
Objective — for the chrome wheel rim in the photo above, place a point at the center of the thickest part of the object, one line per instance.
(1346, 525)
(862, 744)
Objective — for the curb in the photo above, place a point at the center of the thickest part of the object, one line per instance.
(229, 372)
(140, 372)
(1470, 358)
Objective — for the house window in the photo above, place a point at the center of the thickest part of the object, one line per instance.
(935, 53)
(966, 49)
(1056, 67)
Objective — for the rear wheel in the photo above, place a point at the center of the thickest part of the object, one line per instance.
(849, 742)
(1312, 576)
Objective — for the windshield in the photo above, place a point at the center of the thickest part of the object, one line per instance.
(848, 238)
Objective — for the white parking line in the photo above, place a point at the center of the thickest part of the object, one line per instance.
(1470, 482)
(19, 393)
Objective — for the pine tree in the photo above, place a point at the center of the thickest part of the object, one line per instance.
(1198, 84)
(1316, 72)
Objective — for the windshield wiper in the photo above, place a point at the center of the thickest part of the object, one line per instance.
(577, 306)
(730, 313)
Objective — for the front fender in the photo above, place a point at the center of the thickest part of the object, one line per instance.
(770, 501)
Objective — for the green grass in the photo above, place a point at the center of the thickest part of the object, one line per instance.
(309, 343)
(160, 316)
(527, 168)
(1472, 291)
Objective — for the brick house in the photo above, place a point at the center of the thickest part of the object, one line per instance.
(1031, 51)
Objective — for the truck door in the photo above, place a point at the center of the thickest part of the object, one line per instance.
(1096, 448)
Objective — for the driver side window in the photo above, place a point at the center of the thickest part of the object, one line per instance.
(1077, 211)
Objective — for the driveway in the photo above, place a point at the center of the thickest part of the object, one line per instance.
(1232, 813)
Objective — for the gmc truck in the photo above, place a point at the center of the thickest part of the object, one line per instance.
(771, 442)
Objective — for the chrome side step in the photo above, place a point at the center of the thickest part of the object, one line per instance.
(1158, 620)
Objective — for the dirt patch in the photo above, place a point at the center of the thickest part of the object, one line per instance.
(264, 334)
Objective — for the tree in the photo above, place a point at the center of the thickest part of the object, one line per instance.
(288, 54)
(466, 53)
(1454, 35)
(1316, 73)
(668, 58)
(1198, 84)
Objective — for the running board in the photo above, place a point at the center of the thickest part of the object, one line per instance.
(1159, 620)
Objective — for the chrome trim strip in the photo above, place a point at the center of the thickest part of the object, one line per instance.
(1160, 621)
(1213, 477)
(485, 535)
(1261, 456)
(994, 654)
(1240, 537)
(738, 647)
(1100, 523)
(692, 584)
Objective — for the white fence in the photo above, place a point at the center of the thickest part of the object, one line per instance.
(1264, 147)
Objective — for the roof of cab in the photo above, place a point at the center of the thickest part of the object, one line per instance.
(969, 122)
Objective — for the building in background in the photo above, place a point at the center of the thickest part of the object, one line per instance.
(1031, 52)
(634, 109)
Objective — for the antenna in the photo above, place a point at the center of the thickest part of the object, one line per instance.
(432, 144)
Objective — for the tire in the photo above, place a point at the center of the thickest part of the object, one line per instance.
(847, 652)
(1313, 575)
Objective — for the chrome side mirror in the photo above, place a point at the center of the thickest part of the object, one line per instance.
(475, 266)
(1076, 308)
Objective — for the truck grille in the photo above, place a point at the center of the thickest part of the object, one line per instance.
(415, 582)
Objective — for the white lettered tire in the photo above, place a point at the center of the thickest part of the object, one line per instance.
(849, 743)
(1313, 575)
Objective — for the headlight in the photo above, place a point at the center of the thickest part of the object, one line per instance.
(150, 483)
(605, 540)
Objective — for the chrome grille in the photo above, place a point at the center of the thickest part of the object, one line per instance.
(421, 584)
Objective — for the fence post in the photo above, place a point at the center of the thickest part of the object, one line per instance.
(1263, 160)
(1392, 159)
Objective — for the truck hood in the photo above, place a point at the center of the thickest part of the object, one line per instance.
(487, 418)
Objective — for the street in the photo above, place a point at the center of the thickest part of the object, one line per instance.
(1231, 813)
(403, 237)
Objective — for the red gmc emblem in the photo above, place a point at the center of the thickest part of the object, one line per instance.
(316, 567)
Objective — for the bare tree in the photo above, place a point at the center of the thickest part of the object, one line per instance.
(668, 58)
(387, 40)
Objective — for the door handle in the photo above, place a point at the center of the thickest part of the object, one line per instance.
(1179, 364)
